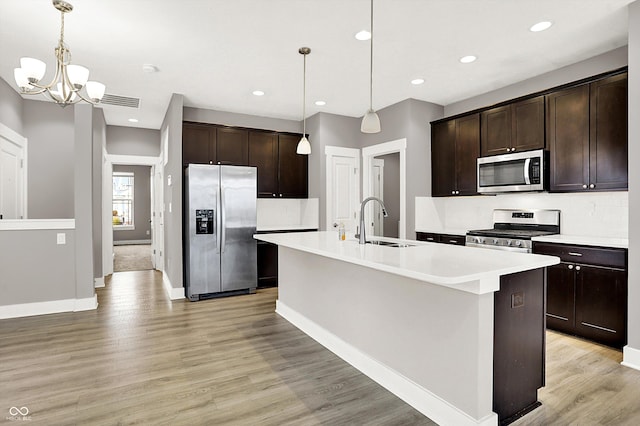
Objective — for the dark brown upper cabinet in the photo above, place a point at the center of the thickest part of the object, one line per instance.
(198, 144)
(232, 146)
(263, 154)
(514, 127)
(293, 168)
(587, 134)
(455, 147)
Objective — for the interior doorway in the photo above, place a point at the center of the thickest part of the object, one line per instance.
(386, 186)
(343, 187)
(13, 174)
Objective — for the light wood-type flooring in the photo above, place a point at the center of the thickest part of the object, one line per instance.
(142, 359)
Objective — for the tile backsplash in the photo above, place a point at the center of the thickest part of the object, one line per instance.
(275, 214)
(597, 214)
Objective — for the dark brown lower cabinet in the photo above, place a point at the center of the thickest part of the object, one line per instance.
(587, 292)
(267, 264)
(518, 344)
(441, 238)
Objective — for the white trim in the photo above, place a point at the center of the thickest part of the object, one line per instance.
(132, 160)
(39, 224)
(429, 404)
(50, 307)
(400, 146)
(631, 357)
(98, 282)
(172, 292)
(130, 242)
(21, 142)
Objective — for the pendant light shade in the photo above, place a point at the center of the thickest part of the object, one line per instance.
(304, 147)
(370, 121)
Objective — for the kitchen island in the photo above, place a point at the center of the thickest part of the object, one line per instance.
(456, 332)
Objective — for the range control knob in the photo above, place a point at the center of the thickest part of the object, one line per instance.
(495, 241)
(479, 240)
(518, 243)
(509, 242)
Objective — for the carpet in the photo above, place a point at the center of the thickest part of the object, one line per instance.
(132, 258)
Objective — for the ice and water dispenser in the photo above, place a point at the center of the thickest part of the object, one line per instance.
(204, 221)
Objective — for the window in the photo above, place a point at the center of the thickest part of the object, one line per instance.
(123, 200)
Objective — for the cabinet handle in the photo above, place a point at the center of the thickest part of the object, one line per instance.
(592, 186)
(273, 195)
(280, 195)
(573, 253)
(577, 267)
(453, 241)
(513, 149)
(570, 266)
(584, 186)
(453, 192)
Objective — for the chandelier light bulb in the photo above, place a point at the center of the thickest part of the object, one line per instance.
(95, 90)
(21, 79)
(33, 69)
(78, 75)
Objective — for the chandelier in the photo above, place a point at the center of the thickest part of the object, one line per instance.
(65, 88)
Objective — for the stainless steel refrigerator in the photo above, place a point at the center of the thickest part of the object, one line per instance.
(220, 220)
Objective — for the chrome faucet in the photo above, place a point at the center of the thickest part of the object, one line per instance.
(361, 238)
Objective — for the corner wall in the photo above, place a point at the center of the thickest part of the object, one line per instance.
(10, 108)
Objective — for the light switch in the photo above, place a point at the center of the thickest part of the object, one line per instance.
(61, 238)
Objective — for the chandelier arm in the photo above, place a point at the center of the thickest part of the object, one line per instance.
(81, 96)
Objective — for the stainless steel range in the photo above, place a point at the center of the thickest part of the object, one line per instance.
(513, 229)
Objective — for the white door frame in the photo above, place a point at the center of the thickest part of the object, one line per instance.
(107, 201)
(338, 151)
(368, 153)
(377, 162)
(21, 142)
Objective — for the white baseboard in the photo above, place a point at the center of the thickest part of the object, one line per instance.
(50, 307)
(432, 406)
(172, 292)
(98, 282)
(631, 357)
(131, 242)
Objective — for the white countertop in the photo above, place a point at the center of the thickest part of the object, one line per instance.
(284, 228)
(585, 240)
(470, 269)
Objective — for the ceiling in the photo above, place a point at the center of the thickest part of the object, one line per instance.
(217, 52)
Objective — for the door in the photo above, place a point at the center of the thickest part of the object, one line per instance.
(443, 172)
(528, 124)
(561, 297)
(232, 146)
(343, 187)
(157, 228)
(11, 180)
(198, 144)
(377, 182)
(496, 131)
(292, 168)
(467, 152)
(263, 154)
(202, 248)
(238, 224)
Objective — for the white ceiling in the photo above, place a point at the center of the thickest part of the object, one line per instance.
(216, 52)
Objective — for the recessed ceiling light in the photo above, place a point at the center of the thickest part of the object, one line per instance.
(417, 81)
(321, 103)
(133, 120)
(540, 26)
(468, 59)
(363, 35)
(258, 92)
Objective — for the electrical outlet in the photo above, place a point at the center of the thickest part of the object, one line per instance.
(517, 299)
(148, 232)
(61, 238)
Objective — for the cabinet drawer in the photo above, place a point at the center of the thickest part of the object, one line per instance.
(614, 258)
(452, 239)
(427, 236)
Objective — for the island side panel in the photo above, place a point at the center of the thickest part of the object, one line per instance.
(439, 338)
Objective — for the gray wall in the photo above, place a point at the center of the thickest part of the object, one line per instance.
(99, 141)
(241, 120)
(133, 141)
(172, 124)
(602, 63)
(35, 268)
(50, 133)
(142, 204)
(634, 177)
(391, 190)
(10, 108)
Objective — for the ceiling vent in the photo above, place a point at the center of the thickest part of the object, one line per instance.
(117, 100)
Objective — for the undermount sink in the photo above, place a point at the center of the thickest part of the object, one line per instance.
(390, 244)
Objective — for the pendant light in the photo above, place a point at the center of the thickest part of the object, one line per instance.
(304, 147)
(370, 121)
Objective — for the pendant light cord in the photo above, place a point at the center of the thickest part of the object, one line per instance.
(304, 95)
(371, 64)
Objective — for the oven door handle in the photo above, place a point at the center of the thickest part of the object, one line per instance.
(527, 163)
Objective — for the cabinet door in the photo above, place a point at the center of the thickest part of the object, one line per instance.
(496, 131)
(232, 146)
(601, 304)
(263, 154)
(568, 136)
(292, 168)
(561, 297)
(443, 140)
(467, 152)
(608, 134)
(198, 144)
(527, 129)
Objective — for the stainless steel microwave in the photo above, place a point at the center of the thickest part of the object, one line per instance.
(515, 172)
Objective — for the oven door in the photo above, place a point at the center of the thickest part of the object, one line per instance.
(516, 172)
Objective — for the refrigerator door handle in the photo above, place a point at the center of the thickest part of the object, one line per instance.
(218, 224)
(223, 227)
